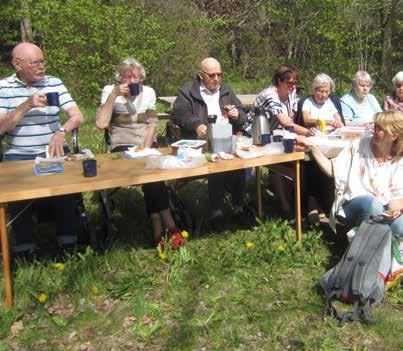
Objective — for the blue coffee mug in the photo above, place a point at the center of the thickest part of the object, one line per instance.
(53, 99)
(90, 168)
(266, 139)
(289, 145)
(289, 128)
(277, 138)
(134, 89)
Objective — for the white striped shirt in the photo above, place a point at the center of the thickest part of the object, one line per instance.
(33, 132)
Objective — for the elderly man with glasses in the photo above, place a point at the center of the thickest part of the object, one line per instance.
(207, 95)
(30, 126)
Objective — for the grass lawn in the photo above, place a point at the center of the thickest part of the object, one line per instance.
(233, 290)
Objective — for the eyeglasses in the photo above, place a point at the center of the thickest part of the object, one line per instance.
(213, 75)
(128, 76)
(291, 83)
(35, 64)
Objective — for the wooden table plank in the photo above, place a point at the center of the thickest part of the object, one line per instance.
(18, 182)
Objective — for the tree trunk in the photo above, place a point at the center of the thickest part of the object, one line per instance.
(26, 27)
(387, 49)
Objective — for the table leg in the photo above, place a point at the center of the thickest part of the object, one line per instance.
(6, 256)
(259, 192)
(298, 200)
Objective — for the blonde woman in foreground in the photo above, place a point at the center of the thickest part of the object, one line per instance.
(368, 174)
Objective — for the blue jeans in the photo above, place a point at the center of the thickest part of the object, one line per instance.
(361, 208)
(62, 208)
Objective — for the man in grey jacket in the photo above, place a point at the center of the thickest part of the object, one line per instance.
(206, 95)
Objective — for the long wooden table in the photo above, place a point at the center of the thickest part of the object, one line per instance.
(18, 182)
(246, 100)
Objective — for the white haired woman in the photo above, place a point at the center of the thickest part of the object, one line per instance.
(131, 121)
(321, 105)
(359, 106)
(395, 100)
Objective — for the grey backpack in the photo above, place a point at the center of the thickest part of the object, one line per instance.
(360, 275)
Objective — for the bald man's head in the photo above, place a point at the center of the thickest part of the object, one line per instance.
(209, 63)
(210, 73)
(25, 50)
(29, 63)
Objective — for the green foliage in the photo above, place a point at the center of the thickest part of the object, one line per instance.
(84, 40)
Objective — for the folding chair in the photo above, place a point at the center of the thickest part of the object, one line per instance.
(182, 217)
(42, 211)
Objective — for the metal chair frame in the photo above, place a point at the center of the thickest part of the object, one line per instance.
(178, 209)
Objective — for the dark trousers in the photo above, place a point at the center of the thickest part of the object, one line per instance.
(317, 184)
(156, 196)
(220, 183)
(62, 208)
(62, 211)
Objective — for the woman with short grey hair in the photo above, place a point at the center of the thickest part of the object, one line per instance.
(320, 81)
(320, 106)
(128, 113)
(127, 65)
(395, 100)
(359, 106)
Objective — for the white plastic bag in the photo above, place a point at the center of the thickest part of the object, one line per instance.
(275, 148)
(249, 154)
(172, 162)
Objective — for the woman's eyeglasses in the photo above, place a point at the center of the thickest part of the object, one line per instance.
(134, 76)
(291, 83)
(213, 75)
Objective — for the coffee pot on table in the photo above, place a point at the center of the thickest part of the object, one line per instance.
(260, 125)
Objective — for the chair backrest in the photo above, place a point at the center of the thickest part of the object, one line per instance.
(74, 141)
(107, 140)
(1, 148)
(172, 132)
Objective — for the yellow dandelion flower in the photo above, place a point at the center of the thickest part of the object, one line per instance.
(95, 290)
(163, 255)
(250, 245)
(280, 248)
(164, 332)
(59, 266)
(42, 298)
(184, 234)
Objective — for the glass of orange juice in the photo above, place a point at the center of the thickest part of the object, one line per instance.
(321, 123)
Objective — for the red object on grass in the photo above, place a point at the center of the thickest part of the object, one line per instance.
(177, 240)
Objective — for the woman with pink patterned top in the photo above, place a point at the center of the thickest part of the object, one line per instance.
(395, 101)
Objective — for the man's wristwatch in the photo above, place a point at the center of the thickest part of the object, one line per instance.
(62, 130)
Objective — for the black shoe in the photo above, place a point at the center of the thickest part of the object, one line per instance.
(245, 217)
(66, 250)
(26, 256)
(217, 220)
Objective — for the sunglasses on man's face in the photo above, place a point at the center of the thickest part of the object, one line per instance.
(213, 75)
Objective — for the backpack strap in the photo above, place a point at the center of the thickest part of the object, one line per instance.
(337, 103)
(330, 308)
(366, 311)
(353, 315)
(298, 116)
